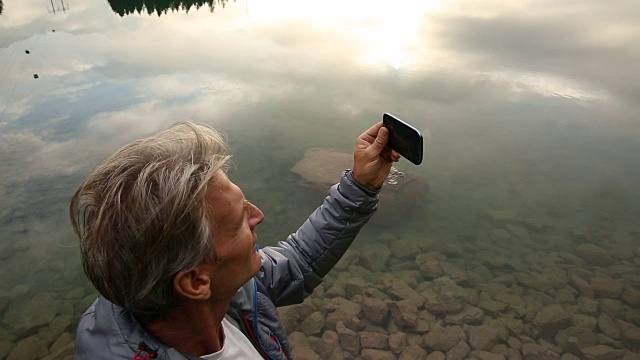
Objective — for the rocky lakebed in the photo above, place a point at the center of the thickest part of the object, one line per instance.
(508, 297)
(453, 283)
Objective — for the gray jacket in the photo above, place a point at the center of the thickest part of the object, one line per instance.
(289, 273)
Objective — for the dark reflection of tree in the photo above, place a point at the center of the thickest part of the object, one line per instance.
(127, 7)
(1, 6)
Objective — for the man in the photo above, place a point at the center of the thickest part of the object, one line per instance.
(170, 243)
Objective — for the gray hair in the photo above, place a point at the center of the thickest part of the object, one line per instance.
(141, 216)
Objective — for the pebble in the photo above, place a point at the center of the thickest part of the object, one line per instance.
(394, 175)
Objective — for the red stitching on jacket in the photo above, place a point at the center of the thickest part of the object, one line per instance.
(143, 348)
(246, 322)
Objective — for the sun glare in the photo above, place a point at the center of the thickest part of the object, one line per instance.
(385, 32)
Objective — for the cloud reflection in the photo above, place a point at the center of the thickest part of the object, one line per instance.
(591, 54)
(431, 61)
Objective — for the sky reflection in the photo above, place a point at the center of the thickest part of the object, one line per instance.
(106, 79)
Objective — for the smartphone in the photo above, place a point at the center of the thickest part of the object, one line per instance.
(404, 138)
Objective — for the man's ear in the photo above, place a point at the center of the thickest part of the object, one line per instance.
(193, 284)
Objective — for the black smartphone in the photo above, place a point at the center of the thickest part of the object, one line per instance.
(404, 138)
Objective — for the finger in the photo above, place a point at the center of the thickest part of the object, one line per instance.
(386, 155)
(381, 139)
(371, 133)
(395, 157)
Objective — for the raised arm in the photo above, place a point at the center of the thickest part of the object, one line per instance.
(293, 268)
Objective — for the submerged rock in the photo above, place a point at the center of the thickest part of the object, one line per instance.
(63, 346)
(405, 249)
(374, 340)
(602, 352)
(550, 319)
(375, 257)
(632, 337)
(313, 324)
(459, 352)
(436, 355)
(6, 251)
(413, 352)
(575, 338)
(404, 313)
(5, 348)
(594, 254)
(30, 348)
(533, 351)
(486, 355)
(372, 354)
(349, 339)
(397, 342)
(441, 338)
(374, 309)
(482, 337)
(469, 315)
(35, 313)
(301, 352)
(398, 289)
(330, 342)
(608, 327)
(606, 287)
(321, 168)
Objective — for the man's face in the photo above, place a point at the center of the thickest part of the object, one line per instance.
(234, 223)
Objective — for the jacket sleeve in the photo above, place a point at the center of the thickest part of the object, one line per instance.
(292, 269)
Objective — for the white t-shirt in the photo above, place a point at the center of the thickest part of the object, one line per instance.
(236, 345)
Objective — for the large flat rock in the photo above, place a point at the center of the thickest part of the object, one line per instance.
(320, 168)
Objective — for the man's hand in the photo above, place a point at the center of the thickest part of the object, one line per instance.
(372, 159)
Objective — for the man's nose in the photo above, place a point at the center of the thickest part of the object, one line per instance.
(255, 216)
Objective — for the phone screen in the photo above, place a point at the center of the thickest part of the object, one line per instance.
(404, 138)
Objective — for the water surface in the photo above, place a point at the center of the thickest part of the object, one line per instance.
(528, 109)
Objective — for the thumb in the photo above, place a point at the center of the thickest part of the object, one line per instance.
(381, 139)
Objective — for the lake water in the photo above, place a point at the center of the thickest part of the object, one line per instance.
(532, 155)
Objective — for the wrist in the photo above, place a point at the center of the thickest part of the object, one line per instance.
(369, 190)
